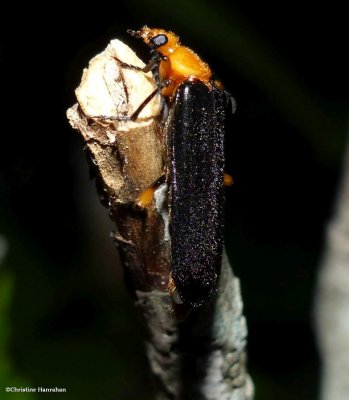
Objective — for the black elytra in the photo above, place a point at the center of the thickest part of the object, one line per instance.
(195, 141)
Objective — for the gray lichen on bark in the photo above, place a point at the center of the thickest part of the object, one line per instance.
(202, 356)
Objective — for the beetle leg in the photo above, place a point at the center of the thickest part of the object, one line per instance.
(146, 197)
(228, 179)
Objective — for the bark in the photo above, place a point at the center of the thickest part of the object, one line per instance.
(332, 300)
(193, 355)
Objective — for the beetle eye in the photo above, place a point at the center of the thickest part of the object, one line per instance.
(158, 41)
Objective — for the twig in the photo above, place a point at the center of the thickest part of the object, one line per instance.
(332, 300)
(202, 357)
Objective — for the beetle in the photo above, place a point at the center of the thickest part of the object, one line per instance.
(194, 127)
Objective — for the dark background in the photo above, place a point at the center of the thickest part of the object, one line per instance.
(65, 317)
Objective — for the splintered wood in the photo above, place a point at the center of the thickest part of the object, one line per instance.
(109, 89)
(127, 157)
